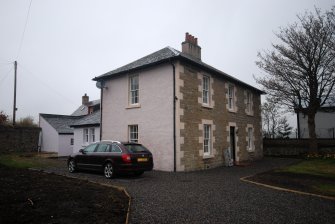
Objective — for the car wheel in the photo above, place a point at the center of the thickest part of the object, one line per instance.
(109, 170)
(72, 166)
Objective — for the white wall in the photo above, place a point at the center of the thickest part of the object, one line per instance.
(49, 137)
(65, 147)
(324, 124)
(79, 137)
(154, 116)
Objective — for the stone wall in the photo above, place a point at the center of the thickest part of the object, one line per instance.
(294, 147)
(19, 139)
(195, 114)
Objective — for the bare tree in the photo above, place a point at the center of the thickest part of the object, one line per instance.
(270, 115)
(300, 70)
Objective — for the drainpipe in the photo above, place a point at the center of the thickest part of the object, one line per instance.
(174, 118)
(101, 95)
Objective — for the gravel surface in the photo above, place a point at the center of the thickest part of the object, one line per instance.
(215, 196)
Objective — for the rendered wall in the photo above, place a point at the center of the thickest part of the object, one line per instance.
(65, 147)
(154, 116)
(79, 138)
(324, 125)
(49, 137)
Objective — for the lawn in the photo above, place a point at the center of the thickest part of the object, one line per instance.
(30, 160)
(316, 176)
(314, 167)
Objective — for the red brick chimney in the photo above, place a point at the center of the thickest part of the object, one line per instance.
(190, 46)
(85, 99)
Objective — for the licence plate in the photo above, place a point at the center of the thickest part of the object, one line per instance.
(142, 159)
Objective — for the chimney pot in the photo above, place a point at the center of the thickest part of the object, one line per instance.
(190, 46)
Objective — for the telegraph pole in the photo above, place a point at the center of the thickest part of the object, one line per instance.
(14, 106)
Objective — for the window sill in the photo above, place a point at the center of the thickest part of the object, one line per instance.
(207, 157)
(232, 111)
(207, 106)
(250, 114)
(131, 106)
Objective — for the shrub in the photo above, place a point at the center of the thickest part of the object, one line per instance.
(3, 118)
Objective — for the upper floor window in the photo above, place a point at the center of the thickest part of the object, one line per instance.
(207, 139)
(249, 101)
(205, 89)
(133, 90)
(133, 133)
(231, 97)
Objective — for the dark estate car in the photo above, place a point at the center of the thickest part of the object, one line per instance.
(112, 157)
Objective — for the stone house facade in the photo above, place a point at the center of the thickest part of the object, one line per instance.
(189, 114)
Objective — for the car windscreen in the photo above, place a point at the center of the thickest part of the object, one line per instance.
(134, 148)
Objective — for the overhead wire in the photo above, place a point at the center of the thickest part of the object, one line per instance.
(24, 31)
(6, 76)
(46, 84)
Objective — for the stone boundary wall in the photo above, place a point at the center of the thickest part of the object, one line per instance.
(294, 147)
(19, 139)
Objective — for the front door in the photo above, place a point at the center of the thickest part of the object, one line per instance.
(232, 142)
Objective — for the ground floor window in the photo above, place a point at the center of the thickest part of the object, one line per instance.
(133, 133)
(89, 135)
(207, 139)
(92, 132)
(86, 135)
(250, 139)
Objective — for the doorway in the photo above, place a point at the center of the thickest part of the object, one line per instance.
(232, 142)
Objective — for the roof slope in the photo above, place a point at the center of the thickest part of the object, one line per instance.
(61, 123)
(89, 120)
(165, 55)
(83, 109)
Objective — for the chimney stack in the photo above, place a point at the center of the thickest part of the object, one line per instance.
(85, 99)
(190, 46)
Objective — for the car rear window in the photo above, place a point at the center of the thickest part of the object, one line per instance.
(136, 148)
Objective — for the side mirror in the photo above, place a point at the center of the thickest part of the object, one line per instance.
(82, 151)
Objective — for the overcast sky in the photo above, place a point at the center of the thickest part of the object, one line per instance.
(67, 43)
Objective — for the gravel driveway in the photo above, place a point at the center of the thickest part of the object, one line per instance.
(216, 196)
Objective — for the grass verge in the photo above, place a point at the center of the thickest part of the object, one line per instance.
(314, 176)
(27, 160)
(314, 167)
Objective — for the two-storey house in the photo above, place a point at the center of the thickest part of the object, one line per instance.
(185, 111)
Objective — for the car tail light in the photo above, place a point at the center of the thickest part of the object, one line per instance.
(126, 158)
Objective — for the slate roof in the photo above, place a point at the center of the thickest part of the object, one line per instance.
(61, 123)
(83, 109)
(89, 120)
(168, 54)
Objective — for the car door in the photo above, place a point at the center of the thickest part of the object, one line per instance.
(83, 160)
(99, 156)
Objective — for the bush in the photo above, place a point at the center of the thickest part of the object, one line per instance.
(3, 118)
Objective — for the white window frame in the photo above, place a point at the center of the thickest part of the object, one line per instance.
(86, 136)
(231, 97)
(207, 137)
(134, 96)
(133, 133)
(92, 135)
(206, 81)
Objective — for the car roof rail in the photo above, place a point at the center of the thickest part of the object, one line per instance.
(113, 141)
